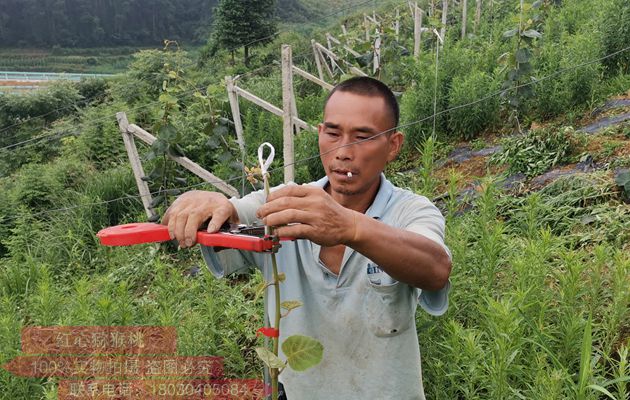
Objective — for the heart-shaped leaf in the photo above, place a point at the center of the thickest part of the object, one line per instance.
(302, 352)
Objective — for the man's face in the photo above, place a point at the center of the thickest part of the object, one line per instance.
(349, 118)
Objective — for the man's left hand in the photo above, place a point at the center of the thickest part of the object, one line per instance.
(308, 212)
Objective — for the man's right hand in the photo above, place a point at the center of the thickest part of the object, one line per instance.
(190, 210)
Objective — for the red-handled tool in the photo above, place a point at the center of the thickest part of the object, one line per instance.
(242, 237)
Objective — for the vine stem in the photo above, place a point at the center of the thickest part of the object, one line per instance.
(276, 283)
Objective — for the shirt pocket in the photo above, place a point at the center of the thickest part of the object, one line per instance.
(389, 308)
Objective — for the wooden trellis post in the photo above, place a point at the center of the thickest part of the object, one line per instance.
(312, 78)
(333, 39)
(444, 13)
(377, 51)
(318, 60)
(136, 165)
(477, 16)
(417, 30)
(397, 24)
(129, 131)
(288, 109)
(291, 123)
(336, 58)
(236, 114)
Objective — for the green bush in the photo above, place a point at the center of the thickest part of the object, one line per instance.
(416, 106)
(567, 87)
(467, 122)
(616, 35)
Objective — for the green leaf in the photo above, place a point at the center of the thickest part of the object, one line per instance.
(172, 74)
(291, 304)
(602, 390)
(523, 55)
(260, 289)
(623, 178)
(220, 130)
(510, 33)
(302, 352)
(271, 360)
(157, 201)
(167, 98)
(585, 358)
(167, 132)
(531, 33)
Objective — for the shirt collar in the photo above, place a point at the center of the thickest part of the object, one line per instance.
(378, 206)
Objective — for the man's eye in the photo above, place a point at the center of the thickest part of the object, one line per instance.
(335, 134)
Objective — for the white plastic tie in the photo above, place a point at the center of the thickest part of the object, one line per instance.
(265, 164)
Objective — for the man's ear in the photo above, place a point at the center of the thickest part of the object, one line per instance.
(396, 141)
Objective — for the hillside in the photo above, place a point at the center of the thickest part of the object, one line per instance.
(518, 130)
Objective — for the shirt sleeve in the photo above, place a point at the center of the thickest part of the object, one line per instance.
(420, 216)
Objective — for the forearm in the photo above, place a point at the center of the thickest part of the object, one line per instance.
(405, 256)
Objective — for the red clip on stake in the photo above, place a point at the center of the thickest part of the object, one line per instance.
(138, 233)
(269, 332)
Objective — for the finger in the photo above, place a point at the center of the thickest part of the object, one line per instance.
(171, 221)
(173, 209)
(290, 216)
(167, 216)
(297, 231)
(219, 216)
(284, 203)
(291, 191)
(180, 228)
(194, 221)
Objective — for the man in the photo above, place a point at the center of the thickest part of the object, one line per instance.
(367, 253)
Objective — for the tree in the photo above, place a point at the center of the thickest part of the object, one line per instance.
(243, 23)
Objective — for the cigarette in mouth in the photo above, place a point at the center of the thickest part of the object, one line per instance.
(349, 174)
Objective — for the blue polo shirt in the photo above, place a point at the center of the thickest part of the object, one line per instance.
(364, 318)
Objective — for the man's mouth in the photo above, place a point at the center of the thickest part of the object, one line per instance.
(344, 173)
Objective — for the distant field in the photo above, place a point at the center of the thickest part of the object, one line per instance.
(102, 60)
(95, 60)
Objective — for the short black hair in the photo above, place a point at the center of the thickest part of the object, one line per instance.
(366, 86)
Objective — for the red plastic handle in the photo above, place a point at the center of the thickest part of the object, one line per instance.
(147, 232)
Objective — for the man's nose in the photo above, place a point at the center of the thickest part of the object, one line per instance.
(346, 149)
